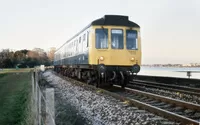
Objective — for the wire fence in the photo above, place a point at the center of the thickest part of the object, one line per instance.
(42, 101)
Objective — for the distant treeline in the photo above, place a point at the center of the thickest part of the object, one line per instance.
(24, 58)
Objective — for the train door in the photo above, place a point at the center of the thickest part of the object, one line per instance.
(79, 45)
(85, 42)
(76, 46)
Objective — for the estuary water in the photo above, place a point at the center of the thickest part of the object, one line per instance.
(170, 71)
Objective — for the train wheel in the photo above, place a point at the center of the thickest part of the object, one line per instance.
(100, 80)
(122, 80)
(79, 75)
(122, 84)
(97, 82)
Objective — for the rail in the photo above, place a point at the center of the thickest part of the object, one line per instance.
(176, 88)
(153, 106)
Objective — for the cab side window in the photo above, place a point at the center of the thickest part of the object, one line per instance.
(131, 40)
(101, 37)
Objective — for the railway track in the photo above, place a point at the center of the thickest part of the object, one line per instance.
(170, 87)
(179, 111)
(176, 110)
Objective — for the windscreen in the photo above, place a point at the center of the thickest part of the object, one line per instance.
(117, 39)
(131, 39)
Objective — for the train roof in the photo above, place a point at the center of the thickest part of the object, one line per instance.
(115, 20)
(106, 20)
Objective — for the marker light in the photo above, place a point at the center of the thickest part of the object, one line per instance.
(132, 59)
(101, 58)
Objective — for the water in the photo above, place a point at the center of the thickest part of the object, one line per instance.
(169, 71)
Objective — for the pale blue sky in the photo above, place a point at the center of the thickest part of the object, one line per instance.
(170, 29)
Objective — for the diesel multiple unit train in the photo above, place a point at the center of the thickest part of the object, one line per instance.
(107, 51)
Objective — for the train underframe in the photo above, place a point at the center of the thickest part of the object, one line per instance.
(99, 75)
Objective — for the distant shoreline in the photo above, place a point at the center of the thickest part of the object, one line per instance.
(167, 66)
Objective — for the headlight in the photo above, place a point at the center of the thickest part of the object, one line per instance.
(101, 58)
(132, 59)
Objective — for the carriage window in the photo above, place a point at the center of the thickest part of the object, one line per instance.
(84, 37)
(131, 39)
(101, 36)
(117, 39)
(77, 45)
(79, 39)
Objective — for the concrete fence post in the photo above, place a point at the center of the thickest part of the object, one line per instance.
(50, 109)
(36, 97)
(32, 83)
(39, 107)
(33, 97)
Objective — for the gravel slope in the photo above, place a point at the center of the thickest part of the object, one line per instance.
(93, 108)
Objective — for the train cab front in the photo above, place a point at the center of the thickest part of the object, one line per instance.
(116, 50)
(116, 46)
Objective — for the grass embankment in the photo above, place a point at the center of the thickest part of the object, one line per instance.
(15, 98)
(14, 70)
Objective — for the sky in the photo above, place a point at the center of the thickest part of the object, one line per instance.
(170, 29)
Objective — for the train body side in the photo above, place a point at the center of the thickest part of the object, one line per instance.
(74, 51)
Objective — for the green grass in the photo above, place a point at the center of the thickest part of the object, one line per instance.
(2, 75)
(12, 70)
(14, 97)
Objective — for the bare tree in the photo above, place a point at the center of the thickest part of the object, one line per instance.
(6, 56)
(50, 53)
